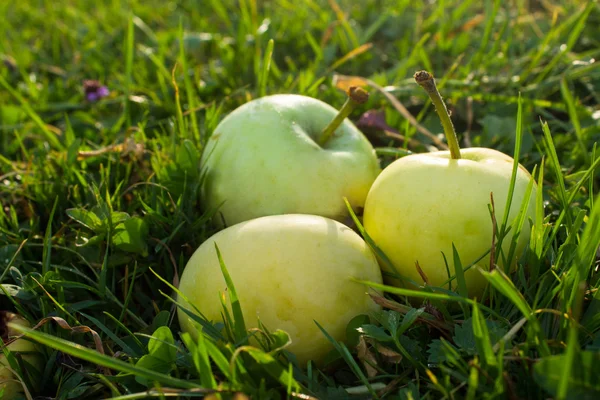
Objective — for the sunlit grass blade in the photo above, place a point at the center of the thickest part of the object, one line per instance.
(113, 337)
(562, 191)
(569, 359)
(129, 53)
(239, 327)
(273, 368)
(266, 67)
(591, 181)
(503, 227)
(504, 285)
(140, 347)
(218, 358)
(587, 249)
(574, 118)
(189, 90)
(520, 222)
(574, 33)
(483, 44)
(168, 393)
(47, 133)
(473, 383)
(378, 252)
(416, 293)
(94, 357)
(345, 353)
(460, 278)
(200, 358)
(482, 337)
(195, 315)
(47, 253)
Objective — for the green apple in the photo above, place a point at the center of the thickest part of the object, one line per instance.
(422, 204)
(9, 383)
(289, 271)
(283, 154)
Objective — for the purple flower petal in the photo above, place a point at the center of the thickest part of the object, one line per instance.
(102, 91)
(374, 119)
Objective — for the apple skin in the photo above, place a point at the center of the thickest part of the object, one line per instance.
(263, 159)
(31, 356)
(289, 271)
(421, 204)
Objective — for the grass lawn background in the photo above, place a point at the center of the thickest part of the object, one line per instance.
(100, 207)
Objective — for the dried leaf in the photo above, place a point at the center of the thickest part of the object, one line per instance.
(77, 329)
(351, 54)
(388, 354)
(467, 26)
(376, 120)
(367, 358)
(128, 147)
(422, 273)
(344, 82)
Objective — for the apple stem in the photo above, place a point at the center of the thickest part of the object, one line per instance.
(427, 82)
(356, 96)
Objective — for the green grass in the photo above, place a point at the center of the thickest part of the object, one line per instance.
(100, 208)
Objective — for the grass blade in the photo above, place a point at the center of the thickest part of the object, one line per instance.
(266, 67)
(236, 308)
(574, 118)
(94, 357)
(200, 358)
(129, 50)
(343, 350)
(504, 285)
(46, 133)
(482, 337)
(47, 252)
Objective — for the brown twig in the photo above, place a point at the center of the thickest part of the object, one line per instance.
(399, 107)
(422, 273)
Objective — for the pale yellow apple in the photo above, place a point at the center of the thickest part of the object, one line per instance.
(264, 159)
(289, 271)
(421, 204)
(9, 383)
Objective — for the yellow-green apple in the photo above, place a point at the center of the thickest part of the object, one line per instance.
(422, 204)
(9, 383)
(289, 271)
(286, 154)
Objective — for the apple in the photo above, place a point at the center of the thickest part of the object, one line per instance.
(287, 154)
(9, 383)
(289, 271)
(422, 204)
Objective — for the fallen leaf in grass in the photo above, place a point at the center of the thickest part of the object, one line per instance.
(376, 120)
(366, 357)
(388, 354)
(342, 82)
(77, 329)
